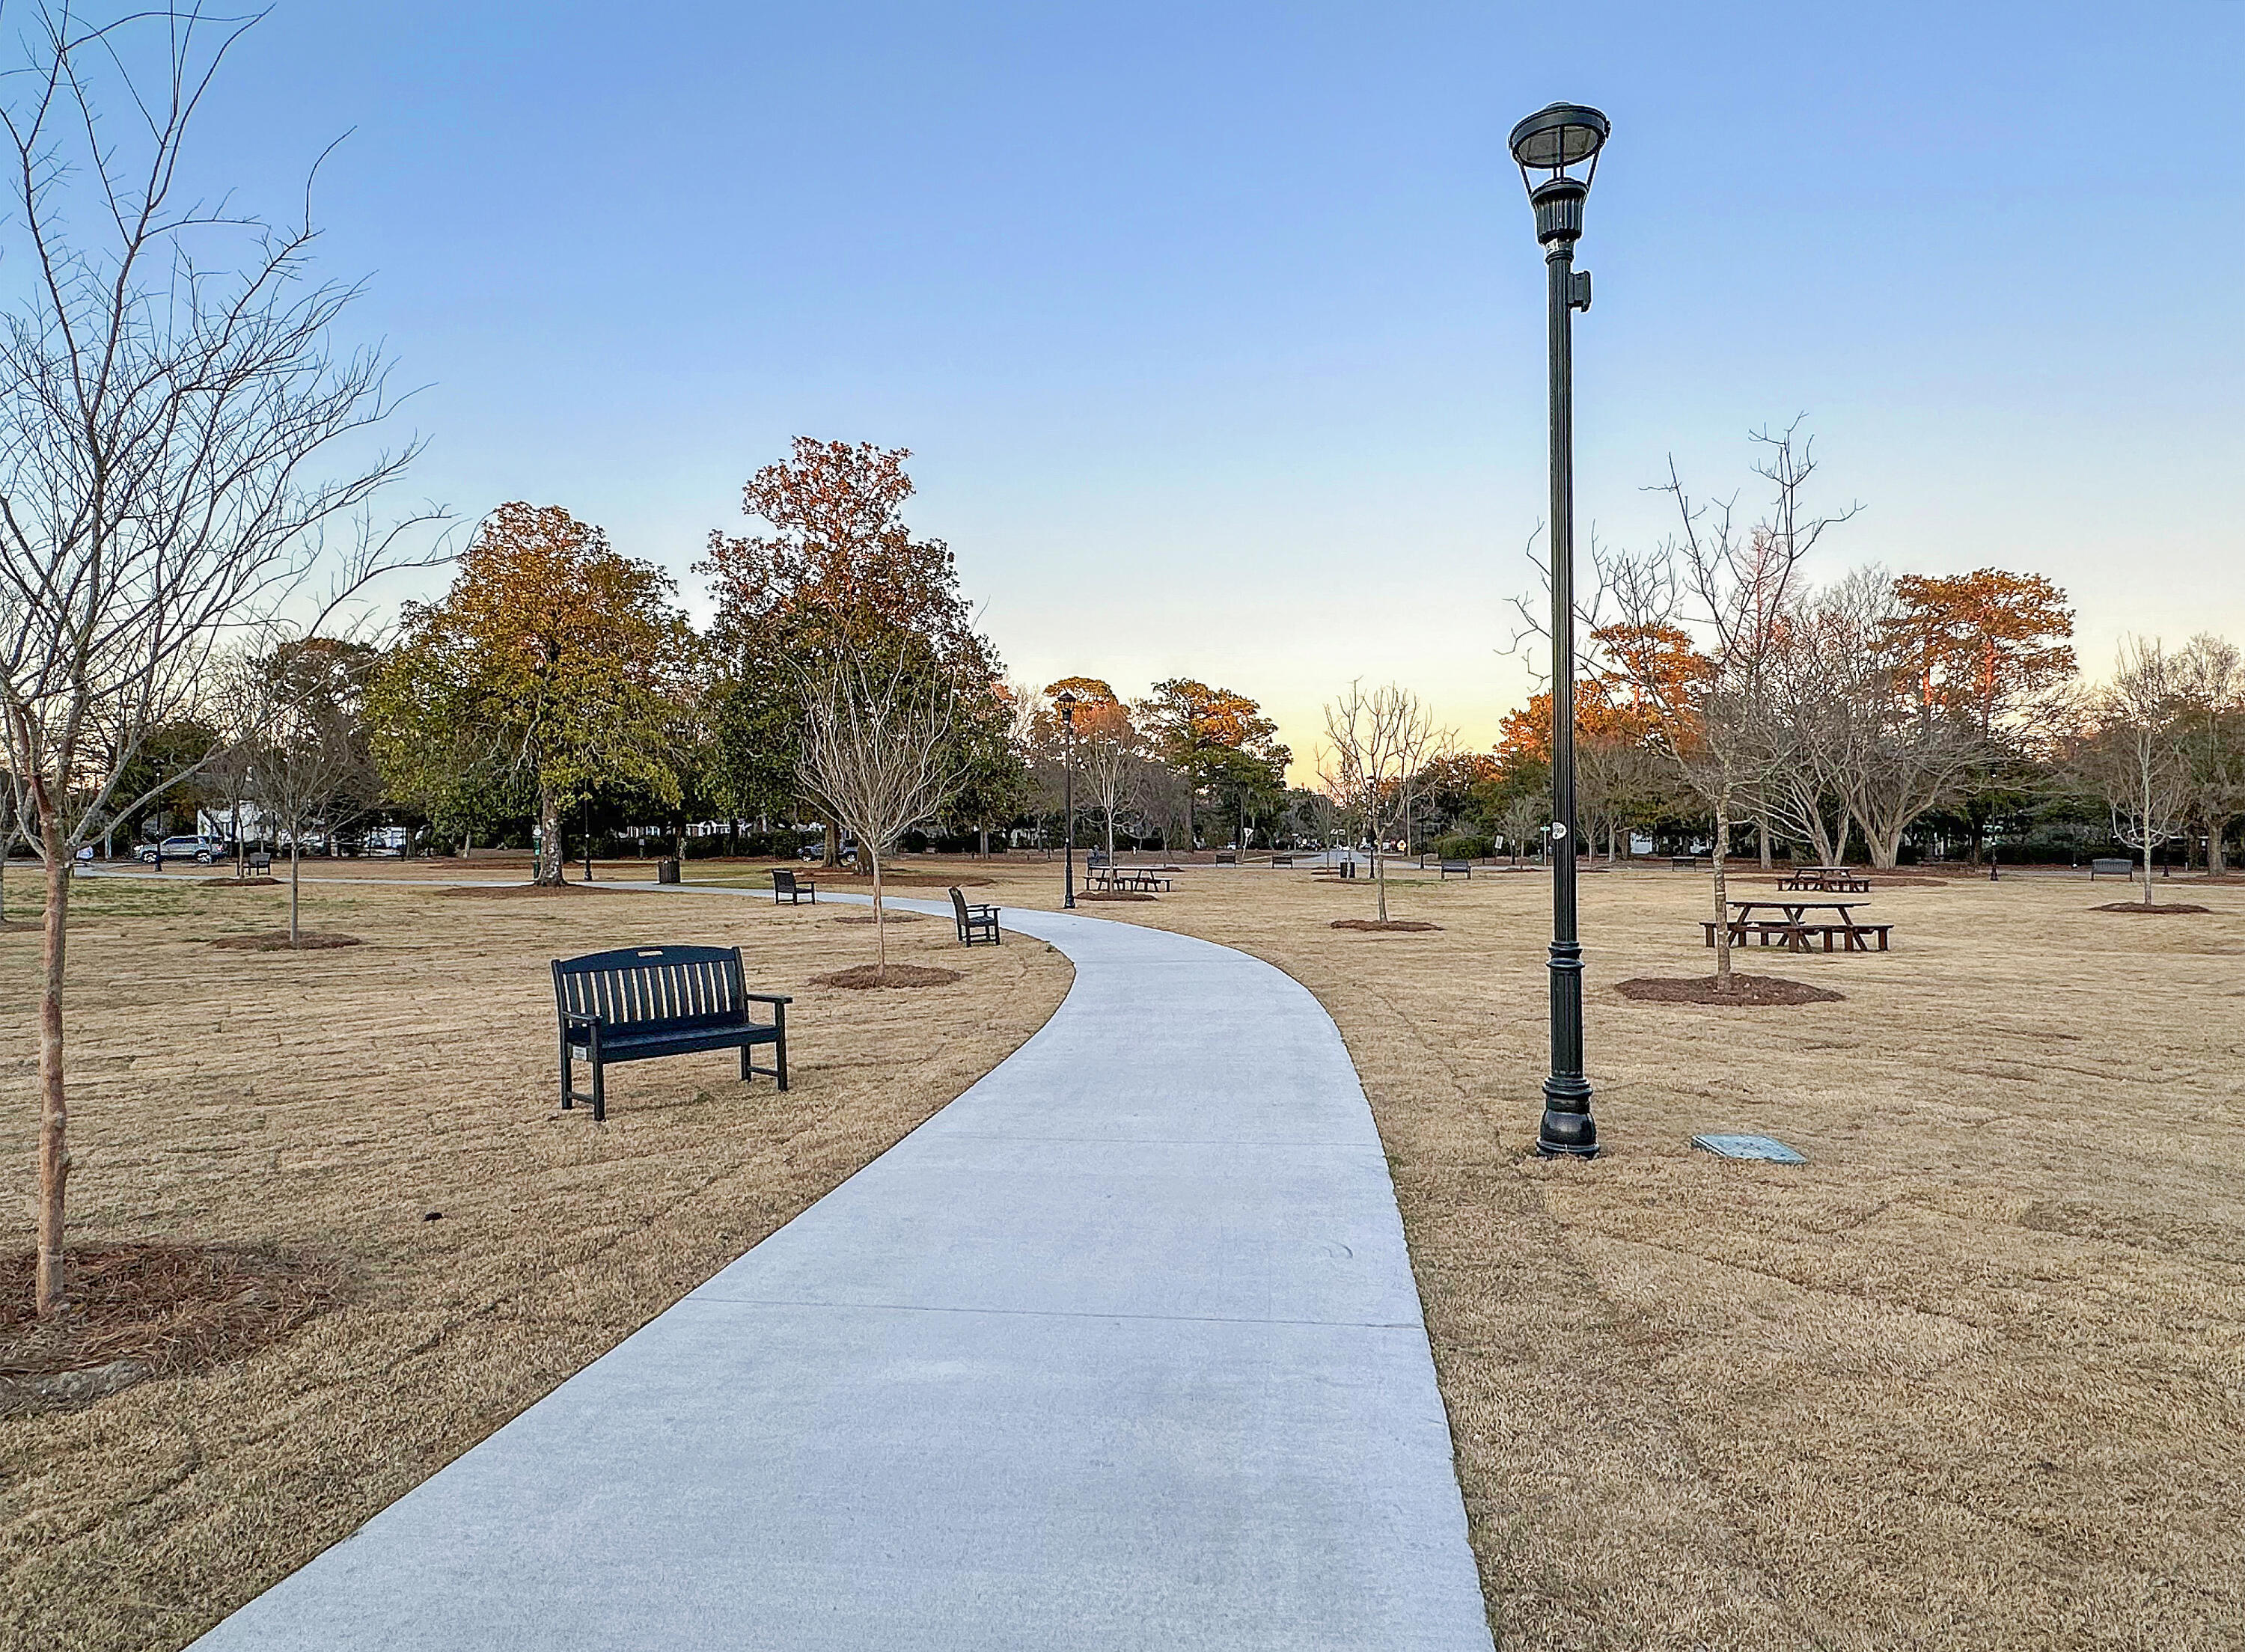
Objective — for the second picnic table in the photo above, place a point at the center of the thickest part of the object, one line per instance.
(1831, 880)
(1794, 930)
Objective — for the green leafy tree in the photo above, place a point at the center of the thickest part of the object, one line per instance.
(1217, 740)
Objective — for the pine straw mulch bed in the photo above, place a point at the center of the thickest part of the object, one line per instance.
(893, 918)
(1392, 926)
(137, 1311)
(2156, 909)
(241, 882)
(865, 975)
(277, 941)
(1114, 895)
(1747, 991)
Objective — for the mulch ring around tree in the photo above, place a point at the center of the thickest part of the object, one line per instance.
(2157, 909)
(277, 941)
(241, 882)
(1747, 991)
(136, 1311)
(865, 975)
(891, 917)
(1391, 926)
(1113, 894)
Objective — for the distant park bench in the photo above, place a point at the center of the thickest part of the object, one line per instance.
(975, 922)
(1282, 860)
(1461, 867)
(260, 864)
(1684, 862)
(642, 1002)
(2111, 866)
(1227, 857)
(786, 883)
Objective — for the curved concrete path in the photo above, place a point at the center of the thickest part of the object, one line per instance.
(1119, 1350)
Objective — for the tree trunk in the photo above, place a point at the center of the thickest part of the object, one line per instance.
(880, 928)
(1380, 876)
(295, 880)
(833, 856)
(1722, 897)
(549, 839)
(2147, 818)
(54, 1114)
(2216, 851)
(1761, 837)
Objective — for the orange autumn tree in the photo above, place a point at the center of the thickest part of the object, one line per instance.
(563, 655)
(1989, 652)
(838, 577)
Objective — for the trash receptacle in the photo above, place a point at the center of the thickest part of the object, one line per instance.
(665, 869)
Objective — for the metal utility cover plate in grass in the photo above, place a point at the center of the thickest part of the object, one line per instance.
(1749, 1147)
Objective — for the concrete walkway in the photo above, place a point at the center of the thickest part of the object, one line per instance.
(1119, 1350)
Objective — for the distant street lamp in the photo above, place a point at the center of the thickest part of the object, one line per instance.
(1549, 141)
(1065, 700)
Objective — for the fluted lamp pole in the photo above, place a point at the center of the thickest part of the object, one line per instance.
(1065, 700)
(1551, 142)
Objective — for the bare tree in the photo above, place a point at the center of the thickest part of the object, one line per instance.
(876, 756)
(1727, 584)
(2135, 758)
(311, 772)
(1109, 755)
(169, 387)
(1373, 744)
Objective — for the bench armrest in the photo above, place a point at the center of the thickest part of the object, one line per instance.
(767, 998)
(579, 1018)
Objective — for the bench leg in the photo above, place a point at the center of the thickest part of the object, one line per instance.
(569, 1086)
(599, 1094)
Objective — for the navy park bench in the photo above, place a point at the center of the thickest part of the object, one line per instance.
(786, 883)
(975, 922)
(2111, 866)
(642, 1002)
(1460, 868)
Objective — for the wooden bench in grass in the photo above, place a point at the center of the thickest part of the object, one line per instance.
(786, 883)
(642, 1002)
(976, 924)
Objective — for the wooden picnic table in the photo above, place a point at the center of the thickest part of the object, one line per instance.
(1135, 878)
(1794, 930)
(1828, 879)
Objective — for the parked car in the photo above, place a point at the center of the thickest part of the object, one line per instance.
(201, 850)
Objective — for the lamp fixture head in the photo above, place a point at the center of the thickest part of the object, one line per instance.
(1067, 701)
(1554, 138)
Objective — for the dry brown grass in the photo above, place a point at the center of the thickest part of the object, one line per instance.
(1970, 1378)
(323, 1105)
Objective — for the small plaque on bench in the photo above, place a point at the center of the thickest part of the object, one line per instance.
(1749, 1147)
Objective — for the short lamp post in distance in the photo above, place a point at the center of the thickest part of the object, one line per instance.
(1551, 142)
(1065, 700)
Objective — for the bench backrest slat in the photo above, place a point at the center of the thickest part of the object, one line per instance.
(651, 985)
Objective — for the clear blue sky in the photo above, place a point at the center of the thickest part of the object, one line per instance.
(1217, 329)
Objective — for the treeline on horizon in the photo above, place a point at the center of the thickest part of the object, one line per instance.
(557, 692)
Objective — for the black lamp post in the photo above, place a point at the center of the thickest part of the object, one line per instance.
(1065, 700)
(1550, 141)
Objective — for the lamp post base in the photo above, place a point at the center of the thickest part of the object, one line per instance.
(1568, 1130)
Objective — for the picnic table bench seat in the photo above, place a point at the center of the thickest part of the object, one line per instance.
(640, 1003)
(1854, 937)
